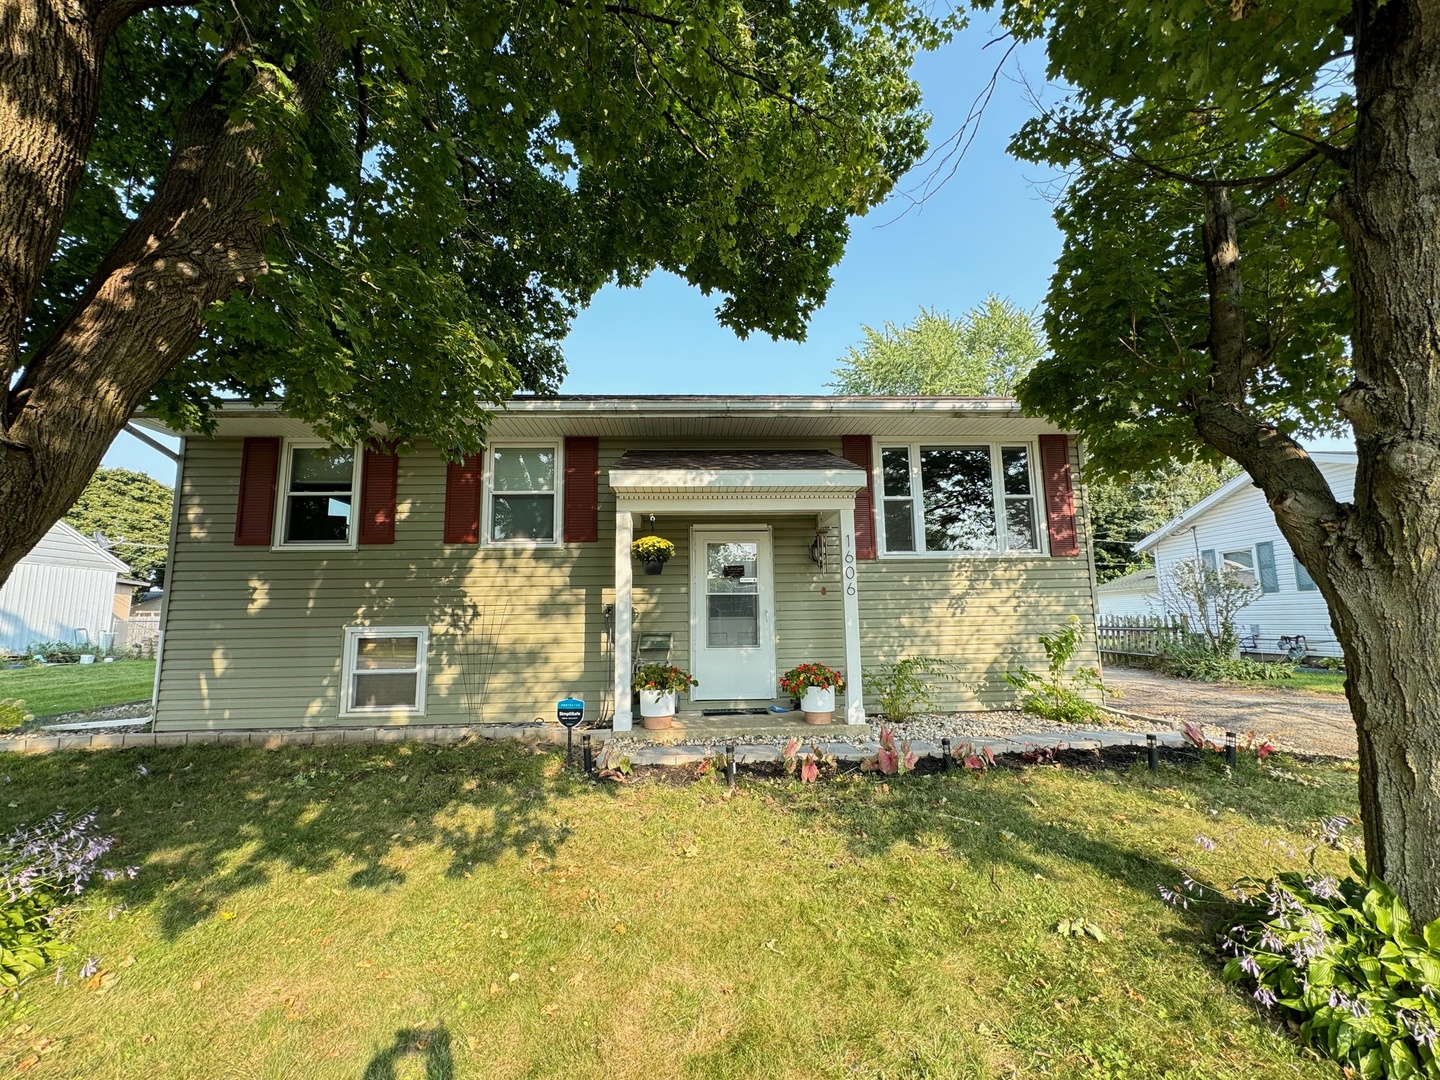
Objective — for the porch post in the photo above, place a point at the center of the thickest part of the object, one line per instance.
(624, 533)
(849, 584)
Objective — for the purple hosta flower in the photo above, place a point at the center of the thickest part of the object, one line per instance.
(91, 965)
(1205, 842)
(1249, 966)
(1332, 828)
(1265, 996)
(1189, 885)
(1326, 888)
(1173, 898)
(109, 875)
(1419, 1028)
(1270, 941)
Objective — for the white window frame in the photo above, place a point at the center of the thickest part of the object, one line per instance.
(997, 489)
(282, 499)
(1226, 566)
(488, 493)
(350, 647)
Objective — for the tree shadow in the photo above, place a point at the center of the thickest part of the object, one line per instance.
(430, 1045)
(208, 822)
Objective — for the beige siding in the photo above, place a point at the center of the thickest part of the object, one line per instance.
(253, 636)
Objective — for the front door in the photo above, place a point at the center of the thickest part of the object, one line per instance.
(732, 614)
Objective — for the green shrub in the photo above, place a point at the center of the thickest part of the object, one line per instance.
(903, 688)
(1055, 696)
(1203, 664)
(13, 714)
(1341, 959)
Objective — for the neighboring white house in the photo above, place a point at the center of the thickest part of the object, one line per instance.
(67, 584)
(1235, 527)
(1136, 595)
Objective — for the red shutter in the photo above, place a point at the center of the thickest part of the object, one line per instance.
(1059, 495)
(377, 494)
(856, 448)
(255, 513)
(582, 490)
(462, 501)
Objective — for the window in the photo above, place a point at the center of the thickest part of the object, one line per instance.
(384, 669)
(1241, 564)
(949, 499)
(523, 492)
(1303, 581)
(317, 495)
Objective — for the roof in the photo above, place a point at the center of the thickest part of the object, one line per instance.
(726, 460)
(1136, 581)
(65, 545)
(696, 419)
(1225, 491)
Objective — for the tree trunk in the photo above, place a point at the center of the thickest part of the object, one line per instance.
(201, 236)
(1383, 567)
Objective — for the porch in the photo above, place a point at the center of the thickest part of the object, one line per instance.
(759, 530)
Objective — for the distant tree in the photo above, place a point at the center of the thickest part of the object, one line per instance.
(984, 352)
(1209, 598)
(132, 511)
(1123, 512)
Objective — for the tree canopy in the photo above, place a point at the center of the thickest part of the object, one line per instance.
(132, 512)
(983, 352)
(389, 214)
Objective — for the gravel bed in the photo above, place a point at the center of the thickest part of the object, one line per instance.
(923, 727)
(140, 711)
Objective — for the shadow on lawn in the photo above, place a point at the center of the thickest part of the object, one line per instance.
(207, 822)
(431, 1046)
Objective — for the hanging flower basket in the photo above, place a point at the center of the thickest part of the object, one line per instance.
(653, 552)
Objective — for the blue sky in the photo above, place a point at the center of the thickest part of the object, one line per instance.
(987, 229)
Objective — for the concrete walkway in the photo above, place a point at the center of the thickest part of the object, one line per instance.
(1293, 719)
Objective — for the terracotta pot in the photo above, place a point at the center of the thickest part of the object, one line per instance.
(818, 704)
(657, 709)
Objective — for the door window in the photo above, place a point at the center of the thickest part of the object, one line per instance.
(732, 595)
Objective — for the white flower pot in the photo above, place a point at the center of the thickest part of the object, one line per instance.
(657, 708)
(87, 658)
(818, 704)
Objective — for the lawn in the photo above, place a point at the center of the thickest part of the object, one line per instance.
(1320, 682)
(383, 912)
(59, 688)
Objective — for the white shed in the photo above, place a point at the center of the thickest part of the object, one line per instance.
(1234, 526)
(1133, 596)
(65, 585)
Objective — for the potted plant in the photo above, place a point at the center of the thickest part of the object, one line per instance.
(658, 686)
(654, 552)
(815, 685)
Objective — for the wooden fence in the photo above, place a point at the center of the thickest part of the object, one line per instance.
(1139, 635)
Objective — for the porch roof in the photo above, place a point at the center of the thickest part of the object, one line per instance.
(808, 479)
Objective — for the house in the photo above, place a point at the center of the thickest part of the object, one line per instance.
(68, 588)
(1235, 528)
(1134, 596)
(310, 585)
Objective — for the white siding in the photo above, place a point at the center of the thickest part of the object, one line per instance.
(1242, 521)
(45, 601)
(1129, 602)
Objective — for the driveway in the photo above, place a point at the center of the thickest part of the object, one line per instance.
(1293, 719)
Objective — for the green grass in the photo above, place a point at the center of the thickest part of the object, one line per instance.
(57, 688)
(384, 912)
(1320, 682)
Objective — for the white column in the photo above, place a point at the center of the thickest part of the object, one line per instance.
(624, 609)
(850, 592)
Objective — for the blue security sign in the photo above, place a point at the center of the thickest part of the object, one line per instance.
(570, 711)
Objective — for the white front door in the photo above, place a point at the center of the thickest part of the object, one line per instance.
(732, 614)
